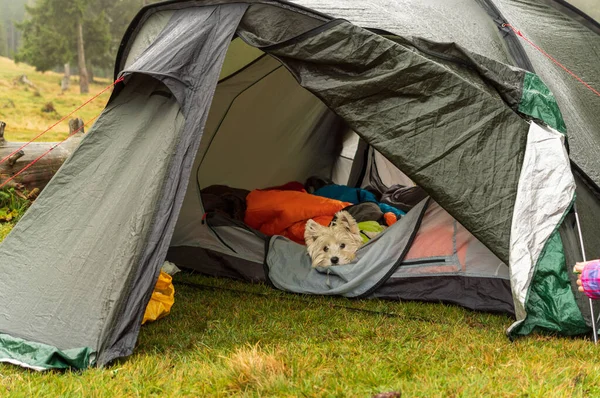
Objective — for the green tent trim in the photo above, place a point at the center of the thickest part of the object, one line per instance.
(538, 102)
(41, 356)
(550, 304)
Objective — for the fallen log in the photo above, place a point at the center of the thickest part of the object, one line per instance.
(39, 174)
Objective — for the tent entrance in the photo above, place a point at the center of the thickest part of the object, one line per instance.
(265, 130)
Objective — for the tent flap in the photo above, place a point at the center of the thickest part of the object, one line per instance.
(403, 103)
(81, 264)
(551, 305)
(545, 195)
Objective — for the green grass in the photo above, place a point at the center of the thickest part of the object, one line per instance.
(226, 338)
(21, 106)
(5, 229)
(12, 207)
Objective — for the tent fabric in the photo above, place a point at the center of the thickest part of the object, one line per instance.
(188, 231)
(387, 173)
(551, 304)
(205, 50)
(477, 293)
(467, 24)
(296, 137)
(537, 101)
(445, 259)
(38, 356)
(463, 22)
(100, 250)
(147, 35)
(576, 47)
(218, 264)
(588, 207)
(545, 194)
(343, 165)
(442, 246)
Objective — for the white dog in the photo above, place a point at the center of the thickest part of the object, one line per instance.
(335, 244)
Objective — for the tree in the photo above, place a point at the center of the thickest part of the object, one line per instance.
(98, 40)
(51, 33)
(3, 40)
(11, 12)
(45, 45)
(73, 11)
(56, 33)
(83, 74)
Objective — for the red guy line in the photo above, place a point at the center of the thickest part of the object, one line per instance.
(518, 33)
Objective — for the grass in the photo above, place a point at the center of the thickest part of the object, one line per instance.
(226, 338)
(12, 207)
(21, 106)
(5, 229)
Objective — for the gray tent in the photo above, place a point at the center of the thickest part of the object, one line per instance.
(258, 93)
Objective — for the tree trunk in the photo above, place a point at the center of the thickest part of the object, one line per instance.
(83, 75)
(2, 127)
(39, 174)
(66, 80)
(10, 39)
(90, 71)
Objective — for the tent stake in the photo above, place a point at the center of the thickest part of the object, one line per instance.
(584, 259)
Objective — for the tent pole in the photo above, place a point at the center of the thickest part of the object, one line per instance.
(584, 259)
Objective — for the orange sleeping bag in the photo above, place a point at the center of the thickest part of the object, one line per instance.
(277, 212)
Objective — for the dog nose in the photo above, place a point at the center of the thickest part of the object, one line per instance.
(335, 260)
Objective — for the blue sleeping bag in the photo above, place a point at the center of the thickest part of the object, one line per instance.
(355, 196)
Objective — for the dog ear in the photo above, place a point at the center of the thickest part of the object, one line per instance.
(345, 220)
(312, 231)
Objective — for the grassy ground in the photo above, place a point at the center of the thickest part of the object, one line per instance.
(21, 106)
(225, 338)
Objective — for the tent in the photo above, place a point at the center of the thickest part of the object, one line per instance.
(252, 94)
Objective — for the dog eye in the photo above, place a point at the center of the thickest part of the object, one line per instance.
(342, 245)
(325, 248)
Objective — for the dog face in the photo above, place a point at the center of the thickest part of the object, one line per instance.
(333, 245)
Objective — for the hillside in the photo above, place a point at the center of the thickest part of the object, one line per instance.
(21, 106)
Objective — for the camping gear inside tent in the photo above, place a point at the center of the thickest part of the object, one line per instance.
(224, 96)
